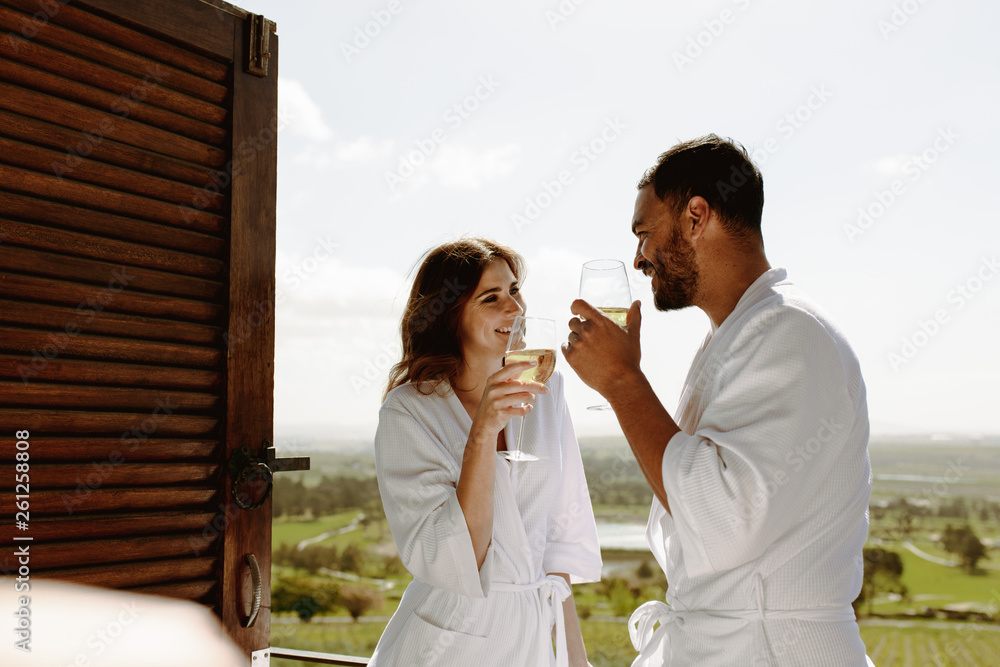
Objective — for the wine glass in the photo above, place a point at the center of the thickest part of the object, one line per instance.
(604, 285)
(531, 338)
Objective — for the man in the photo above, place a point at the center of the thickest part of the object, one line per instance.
(761, 484)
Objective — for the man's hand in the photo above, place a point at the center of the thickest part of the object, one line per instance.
(603, 354)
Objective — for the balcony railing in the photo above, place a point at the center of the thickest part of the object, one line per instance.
(318, 658)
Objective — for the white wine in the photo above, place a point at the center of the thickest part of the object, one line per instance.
(542, 372)
(619, 315)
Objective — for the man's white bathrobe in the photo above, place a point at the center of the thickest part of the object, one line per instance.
(502, 614)
(768, 485)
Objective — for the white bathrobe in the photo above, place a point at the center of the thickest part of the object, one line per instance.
(768, 485)
(502, 614)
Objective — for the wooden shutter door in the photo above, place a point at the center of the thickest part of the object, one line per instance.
(137, 244)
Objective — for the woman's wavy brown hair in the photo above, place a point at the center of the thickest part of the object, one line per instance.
(446, 280)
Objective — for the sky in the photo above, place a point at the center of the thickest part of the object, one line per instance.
(408, 124)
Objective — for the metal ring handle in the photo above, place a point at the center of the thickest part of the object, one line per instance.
(251, 560)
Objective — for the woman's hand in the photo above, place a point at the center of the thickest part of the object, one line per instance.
(504, 398)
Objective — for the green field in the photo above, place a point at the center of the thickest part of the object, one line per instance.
(608, 644)
(294, 532)
(937, 586)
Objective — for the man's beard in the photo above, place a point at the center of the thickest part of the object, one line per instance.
(676, 274)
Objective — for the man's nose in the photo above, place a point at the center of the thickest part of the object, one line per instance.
(640, 262)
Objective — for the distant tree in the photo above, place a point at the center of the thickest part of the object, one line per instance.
(359, 599)
(964, 543)
(306, 596)
(353, 559)
(644, 571)
(882, 572)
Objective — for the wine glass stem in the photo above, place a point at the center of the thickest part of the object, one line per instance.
(520, 430)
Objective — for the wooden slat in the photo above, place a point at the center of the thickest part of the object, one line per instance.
(111, 56)
(44, 422)
(114, 226)
(30, 341)
(56, 73)
(101, 124)
(113, 251)
(79, 480)
(31, 368)
(112, 550)
(195, 25)
(138, 574)
(64, 139)
(52, 265)
(76, 397)
(87, 321)
(69, 527)
(27, 156)
(105, 499)
(88, 296)
(47, 450)
(86, 23)
(46, 186)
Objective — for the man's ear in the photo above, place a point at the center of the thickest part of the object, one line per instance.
(697, 218)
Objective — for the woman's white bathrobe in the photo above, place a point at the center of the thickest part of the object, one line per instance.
(502, 614)
(768, 485)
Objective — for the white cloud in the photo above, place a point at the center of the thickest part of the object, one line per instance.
(305, 118)
(364, 149)
(462, 168)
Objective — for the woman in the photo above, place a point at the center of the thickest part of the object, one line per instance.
(492, 545)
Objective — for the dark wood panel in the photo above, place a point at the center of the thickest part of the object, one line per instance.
(53, 422)
(115, 58)
(115, 550)
(76, 397)
(101, 124)
(47, 186)
(123, 254)
(29, 368)
(47, 450)
(56, 73)
(185, 590)
(97, 474)
(52, 529)
(30, 341)
(87, 23)
(250, 370)
(77, 145)
(35, 158)
(114, 226)
(54, 319)
(194, 25)
(105, 499)
(88, 297)
(51, 265)
(136, 574)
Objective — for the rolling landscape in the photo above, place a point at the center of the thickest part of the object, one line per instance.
(932, 562)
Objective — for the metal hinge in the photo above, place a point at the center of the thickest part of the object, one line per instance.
(260, 39)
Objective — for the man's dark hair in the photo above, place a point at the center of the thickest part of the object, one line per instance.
(718, 170)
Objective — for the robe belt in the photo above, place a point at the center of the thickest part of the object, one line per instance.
(650, 642)
(552, 591)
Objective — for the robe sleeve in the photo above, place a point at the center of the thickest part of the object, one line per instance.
(417, 479)
(571, 545)
(782, 403)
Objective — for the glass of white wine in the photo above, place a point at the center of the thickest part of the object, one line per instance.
(531, 339)
(604, 285)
